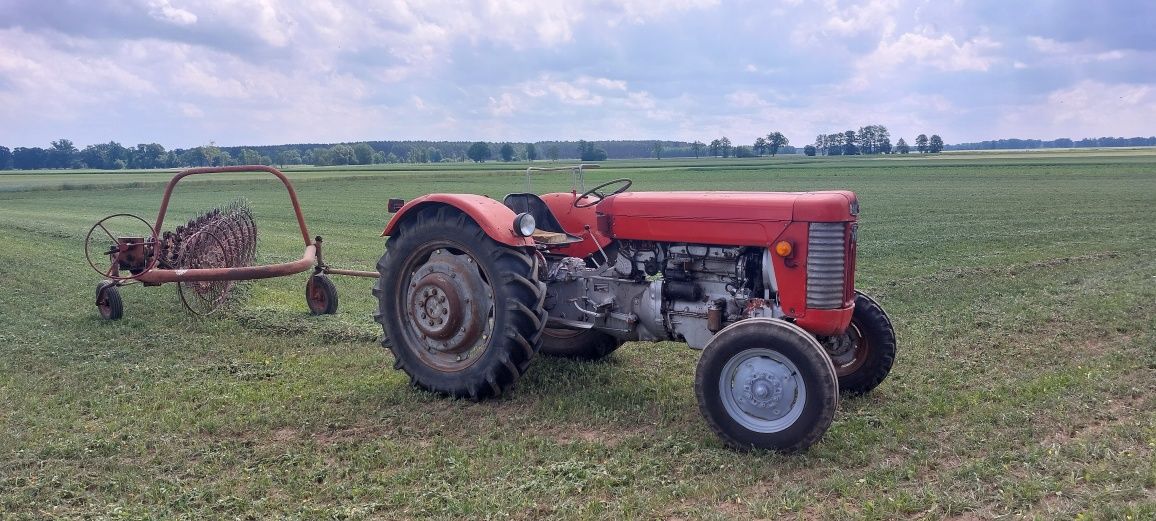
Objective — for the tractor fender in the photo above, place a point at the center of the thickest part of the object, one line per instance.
(492, 216)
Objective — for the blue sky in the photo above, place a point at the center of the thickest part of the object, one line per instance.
(254, 72)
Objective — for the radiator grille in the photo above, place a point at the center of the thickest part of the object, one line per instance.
(826, 265)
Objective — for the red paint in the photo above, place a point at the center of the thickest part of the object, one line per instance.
(267, 271)
(744, 219)
(574, 221)
(492, 216)
(732, 218)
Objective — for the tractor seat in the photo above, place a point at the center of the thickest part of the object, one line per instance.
(549, 232)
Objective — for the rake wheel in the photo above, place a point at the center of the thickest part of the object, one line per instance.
(126, 240)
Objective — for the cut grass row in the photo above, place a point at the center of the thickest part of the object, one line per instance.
(1024, 385)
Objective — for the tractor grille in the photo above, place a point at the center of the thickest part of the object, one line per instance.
(826, 265)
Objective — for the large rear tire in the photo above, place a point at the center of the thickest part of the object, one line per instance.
(461, 312)
(864, 354)
(766, 384)
(583, 344)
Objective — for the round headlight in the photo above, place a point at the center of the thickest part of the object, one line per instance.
(524, 224)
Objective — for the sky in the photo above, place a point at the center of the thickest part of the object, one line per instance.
(184, 73)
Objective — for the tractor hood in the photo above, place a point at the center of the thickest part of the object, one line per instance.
(736, 218)
(734, 206)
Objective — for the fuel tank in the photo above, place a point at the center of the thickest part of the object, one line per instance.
(730, 218)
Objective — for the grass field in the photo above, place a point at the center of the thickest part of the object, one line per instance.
(1021, 286)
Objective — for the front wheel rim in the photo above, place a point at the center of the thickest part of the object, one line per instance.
(762, 390)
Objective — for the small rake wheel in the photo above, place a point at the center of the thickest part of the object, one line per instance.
(204, 250)
(108, 300)
(126, 240)
(321, 295)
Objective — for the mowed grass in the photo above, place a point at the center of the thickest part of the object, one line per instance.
(1021, 286)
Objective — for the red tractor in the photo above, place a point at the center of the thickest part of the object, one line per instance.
(470, 289)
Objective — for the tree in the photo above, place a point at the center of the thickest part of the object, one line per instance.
(506, 152)
(342, 155)
(921, 143)
(61, 154)
(725, 146)
(849, 148)
(744, 151)
(531, 152)
(809, 150)
(697, 147)
(657, 147)
(289, 157)
(761, 145)
(434, 155)
(479, 152)
(552, 152)
(251, 157)
(363, 153)
(935, 145)
(775, 141)
(901, 146)
(24, 158)
(715, 146)
(151, 155)
(5, 158)
(587, 152)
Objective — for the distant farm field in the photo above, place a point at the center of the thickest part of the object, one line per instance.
(1022, 287)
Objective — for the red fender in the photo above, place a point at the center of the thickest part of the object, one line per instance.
(494, 217)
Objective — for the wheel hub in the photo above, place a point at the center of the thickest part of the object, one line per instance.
(444, 307)
(847, 351)
(764, 388)
(841, 349)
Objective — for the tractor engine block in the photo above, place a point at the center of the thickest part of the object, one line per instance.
(657, 291)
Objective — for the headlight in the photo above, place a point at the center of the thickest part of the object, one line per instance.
(524, 224)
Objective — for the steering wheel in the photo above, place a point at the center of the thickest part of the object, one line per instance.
(595, 191)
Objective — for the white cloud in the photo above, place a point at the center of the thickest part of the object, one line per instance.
(503, 106)
(164, 11)
(942, 52)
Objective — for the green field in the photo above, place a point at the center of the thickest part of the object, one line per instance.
(1021, 285)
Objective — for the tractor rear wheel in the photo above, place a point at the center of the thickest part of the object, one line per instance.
(864, 354)
(766, 384)
(461, 312)
(583, 344)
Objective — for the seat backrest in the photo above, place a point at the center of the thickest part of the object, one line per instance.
(534, 205)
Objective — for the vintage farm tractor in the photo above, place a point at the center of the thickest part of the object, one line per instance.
(470, 289)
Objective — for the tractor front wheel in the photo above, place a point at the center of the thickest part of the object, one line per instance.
(863, 355)
(462, 313)
(766, 384)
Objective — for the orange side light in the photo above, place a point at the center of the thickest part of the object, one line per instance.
(784, 248)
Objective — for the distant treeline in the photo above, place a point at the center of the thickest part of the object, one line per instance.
(63, 154)
(1006, 144)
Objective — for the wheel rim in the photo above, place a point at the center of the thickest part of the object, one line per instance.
(318, 298)
(448, 307)
(762, 390)
(103, 304)
(848, 351)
